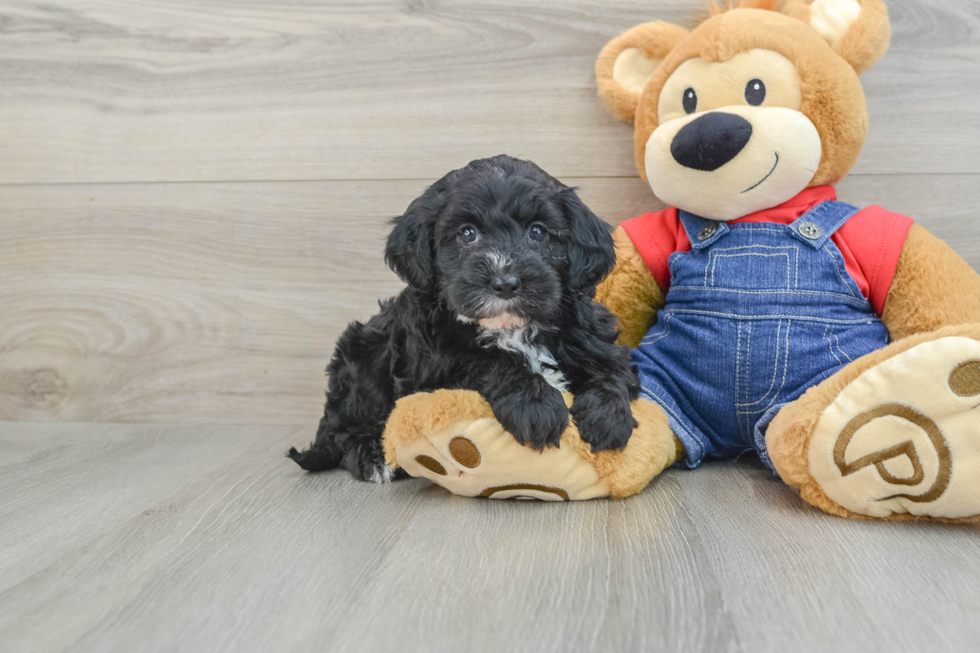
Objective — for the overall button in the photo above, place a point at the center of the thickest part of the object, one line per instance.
(708, 231)
(810, 230)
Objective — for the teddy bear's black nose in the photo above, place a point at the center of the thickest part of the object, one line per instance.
(711, 141)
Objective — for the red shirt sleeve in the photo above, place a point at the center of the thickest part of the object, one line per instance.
(657, 236)
(871, 242)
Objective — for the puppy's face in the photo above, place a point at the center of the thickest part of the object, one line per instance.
(501, 251)
(500, 242)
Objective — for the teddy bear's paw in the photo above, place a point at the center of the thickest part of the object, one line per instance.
(904, 436)
(478, 458)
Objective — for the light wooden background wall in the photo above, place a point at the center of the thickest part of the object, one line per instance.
(193, 194)
(193, 197)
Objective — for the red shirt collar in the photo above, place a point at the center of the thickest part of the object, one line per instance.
(789, 211)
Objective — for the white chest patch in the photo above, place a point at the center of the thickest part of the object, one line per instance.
(538, 358)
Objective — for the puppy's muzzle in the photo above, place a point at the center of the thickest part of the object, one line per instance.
(505, 286)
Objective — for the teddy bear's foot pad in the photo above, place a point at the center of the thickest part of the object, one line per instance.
(478, 458)
(904, 436)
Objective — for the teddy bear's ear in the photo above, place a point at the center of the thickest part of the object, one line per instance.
(627, 62)
(857, 30)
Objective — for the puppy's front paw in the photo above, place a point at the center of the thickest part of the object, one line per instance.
(535, 420)
(604, 422)
(367, 463)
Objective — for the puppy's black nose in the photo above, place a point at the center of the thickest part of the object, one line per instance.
(711, 141)
(504, 286)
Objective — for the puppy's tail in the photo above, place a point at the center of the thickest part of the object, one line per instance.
(317, 459)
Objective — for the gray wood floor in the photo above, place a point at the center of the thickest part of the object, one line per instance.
(193, 196)
(192, 538)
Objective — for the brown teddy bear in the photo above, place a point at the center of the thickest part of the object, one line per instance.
(842, 345)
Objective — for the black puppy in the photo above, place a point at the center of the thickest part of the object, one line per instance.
(501, 262)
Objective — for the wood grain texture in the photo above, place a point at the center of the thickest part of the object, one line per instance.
(220, 303)
(154, 90)
(193, 198)
(164, 538)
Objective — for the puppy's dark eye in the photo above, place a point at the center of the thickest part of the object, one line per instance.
(537, 232)
(755, 92)
(468, 234)
(690, 101)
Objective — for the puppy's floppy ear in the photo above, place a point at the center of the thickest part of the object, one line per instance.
(591, 255)
(410, 248)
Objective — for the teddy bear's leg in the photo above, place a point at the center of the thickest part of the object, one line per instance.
(451, 438)
(894, 435)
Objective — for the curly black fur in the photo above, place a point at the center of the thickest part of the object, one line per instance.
(530, 230)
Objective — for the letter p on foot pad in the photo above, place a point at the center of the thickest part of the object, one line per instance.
(904, 436)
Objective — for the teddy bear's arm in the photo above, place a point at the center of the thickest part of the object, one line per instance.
(630, 291)
(933, 287)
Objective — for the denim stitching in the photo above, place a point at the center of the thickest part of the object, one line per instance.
(816, 293)
(752, 227)
(775, 369)
(713, 254)
(863, 320)
(830, 345)
(738, 361)
(782, 383)
(658, 337)
(834, 342)
(740, 419)
(789, 324)
(748, 358)
(738, 247)
(837, 269)
(841, 349)
(714, 261)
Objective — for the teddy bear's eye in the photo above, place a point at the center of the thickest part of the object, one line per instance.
(690, 101)
(755, 92)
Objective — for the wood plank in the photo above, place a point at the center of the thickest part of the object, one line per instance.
(831, 584)
(221, 302)
(145, 90)
(155, 298)
(61, 491)
(162, 538)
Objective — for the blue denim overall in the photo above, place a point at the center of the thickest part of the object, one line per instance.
(756, 314)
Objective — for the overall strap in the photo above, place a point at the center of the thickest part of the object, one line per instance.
(817, 225)
(701, 231)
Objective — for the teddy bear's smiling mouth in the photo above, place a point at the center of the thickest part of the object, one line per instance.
(759, 183)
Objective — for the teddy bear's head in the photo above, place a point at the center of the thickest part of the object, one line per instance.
(752, 106)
